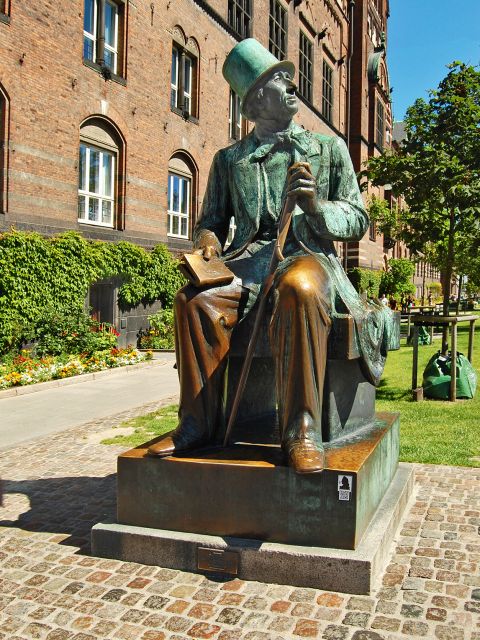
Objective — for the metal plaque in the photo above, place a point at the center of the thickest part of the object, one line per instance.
(217, 561)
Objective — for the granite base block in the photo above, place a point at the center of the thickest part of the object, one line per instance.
(349, 571)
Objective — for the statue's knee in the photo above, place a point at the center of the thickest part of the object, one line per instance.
(303, 282)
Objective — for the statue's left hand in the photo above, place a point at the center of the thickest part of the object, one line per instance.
(302, 185)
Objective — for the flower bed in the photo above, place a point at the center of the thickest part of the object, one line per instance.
(24, 369)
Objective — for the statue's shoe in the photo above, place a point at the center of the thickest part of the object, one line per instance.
(305, 456)
(183, 438)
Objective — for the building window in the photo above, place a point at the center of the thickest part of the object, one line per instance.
(327, 92)
(96, 186)
(240, 16)
(103, 26)
(100, 174)
(4, 10)
(236, 123)
(181, 198)
(232, 227)
(305, 67)
(380, 124)
(372, 231)
(3, 150)
(179, 189)
(183, 82)
(277, 42)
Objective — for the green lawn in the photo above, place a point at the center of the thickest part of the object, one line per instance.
(431, 431)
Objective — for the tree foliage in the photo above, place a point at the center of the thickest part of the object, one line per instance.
(365, 281)
(437, 171)
(396, 282)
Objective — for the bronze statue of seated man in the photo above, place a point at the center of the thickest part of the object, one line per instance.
(250, 181)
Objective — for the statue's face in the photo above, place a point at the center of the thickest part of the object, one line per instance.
(277, 99)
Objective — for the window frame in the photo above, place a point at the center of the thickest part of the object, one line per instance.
(237, 124)
(179, 215)
(278, 29)
(5, 11)
(380, 124)
(99, 196)
(328, 91)
(100, 49)
(305, 67)
(4, 149)
(177, 85)
(240, 16)
(107, 47)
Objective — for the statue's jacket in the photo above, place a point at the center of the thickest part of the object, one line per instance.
(235, 189)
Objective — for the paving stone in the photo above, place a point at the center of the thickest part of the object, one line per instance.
(414, 628)
(443, 632)
(155, 602)
(282, 624)
(229, 615)
(411, 611)
(382, 622)
(202, 611)
(330, 600)
(306, 628)
(367, 635)
(356, 619)
(334, 632)
(435, 613)
(203, 630)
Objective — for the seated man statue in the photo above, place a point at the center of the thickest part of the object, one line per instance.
(249, 181)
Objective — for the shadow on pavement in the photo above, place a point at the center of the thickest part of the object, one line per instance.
(69, 506)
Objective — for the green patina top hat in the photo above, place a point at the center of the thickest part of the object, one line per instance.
(247, 65)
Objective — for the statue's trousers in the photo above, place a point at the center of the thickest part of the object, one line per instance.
(299, 327)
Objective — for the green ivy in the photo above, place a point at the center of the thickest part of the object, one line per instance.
(365, 281)
(38, 273)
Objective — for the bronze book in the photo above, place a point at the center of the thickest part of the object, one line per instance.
(203, 273)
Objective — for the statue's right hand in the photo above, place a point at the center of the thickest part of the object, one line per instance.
(208, 251)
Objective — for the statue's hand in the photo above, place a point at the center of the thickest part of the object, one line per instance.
(302, 185)
(207, 251)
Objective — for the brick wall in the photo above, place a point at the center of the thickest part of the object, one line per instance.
(51, 92)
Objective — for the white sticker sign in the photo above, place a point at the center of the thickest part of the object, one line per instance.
(344, 487)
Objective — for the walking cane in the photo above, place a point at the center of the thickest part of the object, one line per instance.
(277, 257)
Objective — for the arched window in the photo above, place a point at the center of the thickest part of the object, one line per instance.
(181, 196)
(184, 76)
(100, 174)
(4, 122)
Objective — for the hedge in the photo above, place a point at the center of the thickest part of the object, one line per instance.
(38, 273)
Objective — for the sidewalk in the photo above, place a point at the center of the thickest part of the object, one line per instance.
(56, 489)
(54, 409)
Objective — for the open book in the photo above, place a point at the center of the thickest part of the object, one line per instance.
(203, 273)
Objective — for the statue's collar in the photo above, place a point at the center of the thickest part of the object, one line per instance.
(294, 135)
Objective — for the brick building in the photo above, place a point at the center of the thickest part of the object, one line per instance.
(111, 110)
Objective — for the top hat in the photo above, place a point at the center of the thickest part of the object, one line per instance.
(246, 67)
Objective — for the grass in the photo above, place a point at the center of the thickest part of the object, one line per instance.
(432, 431)
(146, 427)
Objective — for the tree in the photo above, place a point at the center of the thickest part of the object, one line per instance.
(397, 280)
(437, 172)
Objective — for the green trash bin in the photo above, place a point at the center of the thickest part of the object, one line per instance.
(424, 336)
(437, 377)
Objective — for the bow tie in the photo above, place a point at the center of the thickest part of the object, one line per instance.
(286, 140)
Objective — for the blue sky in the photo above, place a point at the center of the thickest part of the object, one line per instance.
(423, 37)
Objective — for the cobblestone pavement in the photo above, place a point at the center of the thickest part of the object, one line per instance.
(50, 588)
